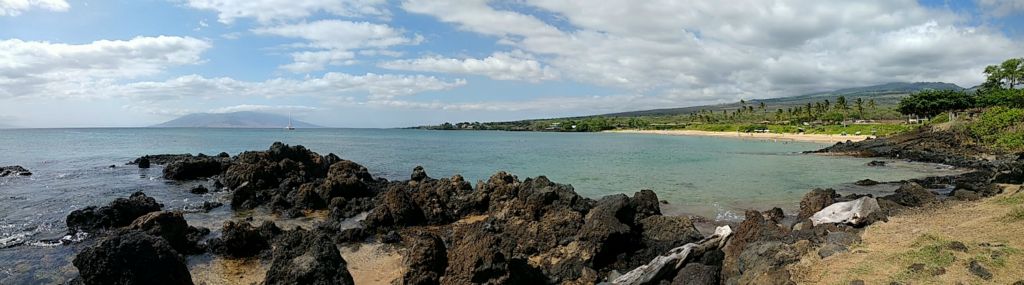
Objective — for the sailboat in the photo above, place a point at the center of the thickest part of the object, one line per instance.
(289, 127)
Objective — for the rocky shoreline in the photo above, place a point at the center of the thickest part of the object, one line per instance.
(504, 230)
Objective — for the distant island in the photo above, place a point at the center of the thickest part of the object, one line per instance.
(233, 120)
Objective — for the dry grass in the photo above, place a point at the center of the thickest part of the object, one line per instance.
(924, 236)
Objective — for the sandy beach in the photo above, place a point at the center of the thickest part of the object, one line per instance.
(817, 138)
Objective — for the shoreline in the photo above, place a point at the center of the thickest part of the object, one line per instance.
(814, 138)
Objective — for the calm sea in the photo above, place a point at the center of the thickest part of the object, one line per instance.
(715, 177)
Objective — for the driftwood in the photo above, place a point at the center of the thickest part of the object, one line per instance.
(675, 259)
(852, 212)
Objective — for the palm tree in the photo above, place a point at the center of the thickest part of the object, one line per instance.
(859, 103)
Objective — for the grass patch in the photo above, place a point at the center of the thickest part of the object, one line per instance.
(1015, 199)
(929, 250)
(1015, 215)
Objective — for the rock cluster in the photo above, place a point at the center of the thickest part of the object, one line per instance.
(14, 170)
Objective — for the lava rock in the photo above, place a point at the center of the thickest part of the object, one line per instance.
(15, 170)
(194, 168)
(814, 201)
(119, 213)
(696, 274)
(978, 270)
(866, 182)
(171, 226)
(303, 257)
(912, 194)
(876, 163)
(426, 261)
(240, 239)
(132, 257)
(143, 162)
(200, 189)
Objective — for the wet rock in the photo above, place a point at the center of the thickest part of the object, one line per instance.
(342, 208)
(200, 189)
(210, 205)
(304, 257)
(426, 261)
(978, 270)
(696, 274)
(912, 194)
(418, 174)
(118, 213)
(814, 201)
(15, 170)
(866, 182)
(194, 168)
(143, 162)
(240, 239)
(132, 257)
(171, 226)
(876, 163)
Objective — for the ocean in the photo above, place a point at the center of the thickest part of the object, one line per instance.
(713, 177)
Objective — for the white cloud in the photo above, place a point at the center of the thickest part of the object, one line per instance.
(333, 41)
(32, 68)
(691, 50)
(15, 7)
(1001, 8)
(500, 66)
(332, 84)
(266, 11)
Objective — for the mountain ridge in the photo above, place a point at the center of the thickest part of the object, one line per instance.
(884, 94)
(243, 119)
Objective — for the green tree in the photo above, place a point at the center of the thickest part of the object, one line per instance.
(841, 103)
(929, 103)
(1006, 75)
(859, 104)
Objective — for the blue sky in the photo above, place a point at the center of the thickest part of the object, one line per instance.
(378, 63)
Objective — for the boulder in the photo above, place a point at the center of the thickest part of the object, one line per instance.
(199, 189)
(118, 213)
(911, 194)
(240, 239)
(866, 182)
(132, 257)
(816, 200)
(605, 228)
(396, 208)
(15, 170)
(426, 261)
(696, 274)
(663, 233)
(171, 226)
(304, 257)
(194, 168)
(854, 212)
(143, 162)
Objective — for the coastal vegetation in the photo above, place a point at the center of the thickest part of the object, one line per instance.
(994, 113)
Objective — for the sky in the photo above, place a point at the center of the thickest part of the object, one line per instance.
(380, 63)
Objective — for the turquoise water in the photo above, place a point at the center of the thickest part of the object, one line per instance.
(716, 177)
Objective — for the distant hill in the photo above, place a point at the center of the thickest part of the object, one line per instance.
(883, 94)
(233, 120)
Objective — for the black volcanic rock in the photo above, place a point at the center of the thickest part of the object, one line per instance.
(132, 257)
(15, 170)
(119, 213)
(304, 257)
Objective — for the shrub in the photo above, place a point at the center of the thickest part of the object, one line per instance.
(1000, 127)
